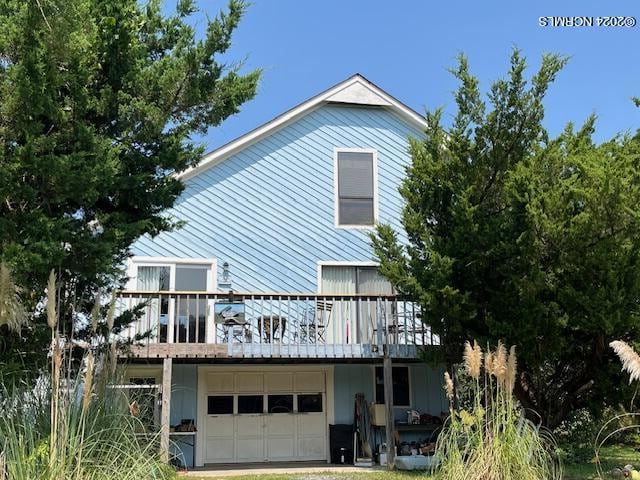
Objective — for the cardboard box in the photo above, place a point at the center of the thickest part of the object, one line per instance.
(378, 415)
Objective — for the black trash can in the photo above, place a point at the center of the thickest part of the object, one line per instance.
(341, 443)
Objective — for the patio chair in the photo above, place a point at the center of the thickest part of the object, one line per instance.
(315, 322)
(236, 331)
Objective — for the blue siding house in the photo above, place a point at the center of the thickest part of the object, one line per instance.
(266, 311)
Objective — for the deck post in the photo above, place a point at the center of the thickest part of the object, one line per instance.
(165, 413)
(389, 415)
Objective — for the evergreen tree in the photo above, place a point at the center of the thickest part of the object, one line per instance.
(100, 101)
(511, 235)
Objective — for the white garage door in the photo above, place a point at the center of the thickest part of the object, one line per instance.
(258, 417)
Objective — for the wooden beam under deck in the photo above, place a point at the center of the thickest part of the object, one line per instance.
(267, 351)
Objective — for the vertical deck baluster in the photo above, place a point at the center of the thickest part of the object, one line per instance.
(336, 340)
(344, 324)
(249, 333)
(271, 339)
(148, 325)
(404, 318)
(417, 328)
(369, 322)
(197, 339)
(187, 337)
(158, 321)
(177, 314)
(133, 325)
(263, 334)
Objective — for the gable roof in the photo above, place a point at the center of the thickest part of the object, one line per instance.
(354, 90)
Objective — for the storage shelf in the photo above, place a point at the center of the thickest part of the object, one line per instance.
(427, 427)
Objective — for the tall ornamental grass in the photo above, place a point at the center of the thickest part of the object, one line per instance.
(623, 422)
(75, 429)
(491, 439)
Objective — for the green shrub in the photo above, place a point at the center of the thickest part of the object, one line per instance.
(575, 436)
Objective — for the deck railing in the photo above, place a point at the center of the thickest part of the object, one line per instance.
(277, 324)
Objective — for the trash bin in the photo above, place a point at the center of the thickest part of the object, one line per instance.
(341, 443)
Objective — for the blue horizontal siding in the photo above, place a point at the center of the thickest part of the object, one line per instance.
(427, 395)
(269, 209)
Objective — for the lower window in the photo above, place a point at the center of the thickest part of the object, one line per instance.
(400, 379)
(280, 403)
(220, 405)
(309, 403)
(250, 404)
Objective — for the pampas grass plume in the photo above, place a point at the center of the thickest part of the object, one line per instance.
(448, 386)
(488, 362)
(12, 311)
(52, 316)
(500, 363)
(88, 382)
(473, 359)
(512, 369)
(629, 358)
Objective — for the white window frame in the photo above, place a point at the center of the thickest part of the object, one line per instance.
(172, 262)
(337, 263)
(212, 282)
(336, 192)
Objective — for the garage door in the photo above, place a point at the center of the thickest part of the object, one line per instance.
(258, 417)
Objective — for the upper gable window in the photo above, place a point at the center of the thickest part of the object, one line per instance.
(356, 185)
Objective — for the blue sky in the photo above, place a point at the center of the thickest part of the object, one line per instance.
(406, 47)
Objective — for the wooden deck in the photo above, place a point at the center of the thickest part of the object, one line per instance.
(271, 325)
(327, 352)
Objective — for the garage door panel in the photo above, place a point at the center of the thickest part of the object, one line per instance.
(280, 433)
(220, 382)
(249, 382)
(311, 447)
(280, 424)
(311, 424)
(279, 382)
(219, 449)
(220, 427)
(281, 448)
(251, 449)
(249, 426)
(309, 381)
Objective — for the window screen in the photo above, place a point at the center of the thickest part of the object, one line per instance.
(400, 379)
(355, 188)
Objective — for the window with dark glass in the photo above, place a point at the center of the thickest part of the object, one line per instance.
(220, 405)
(400, 379)
(310, 403)
(250, 404)
(355, 188)
(280, 403)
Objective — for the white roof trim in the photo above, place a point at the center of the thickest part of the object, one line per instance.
(355, 90)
